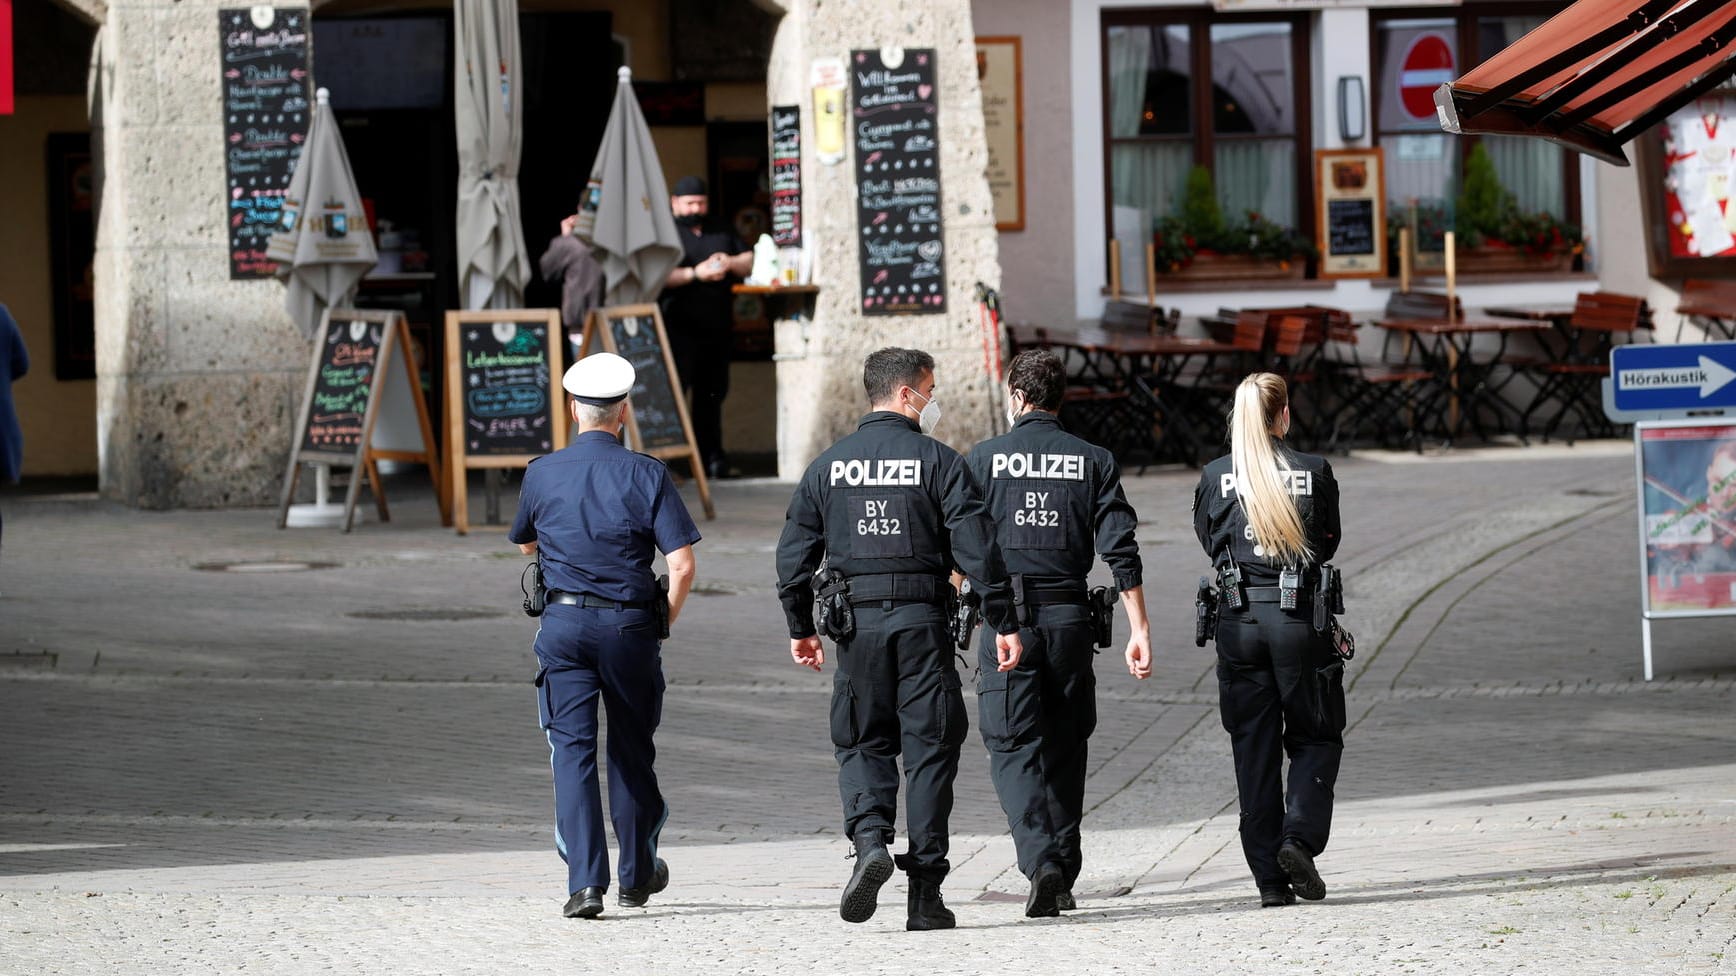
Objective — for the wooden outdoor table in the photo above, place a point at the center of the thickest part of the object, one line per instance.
(1463, 382)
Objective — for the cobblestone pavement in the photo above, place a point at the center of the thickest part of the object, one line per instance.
(338, 770)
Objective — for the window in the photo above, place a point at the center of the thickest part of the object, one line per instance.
(1248, 127)
(1415, 53)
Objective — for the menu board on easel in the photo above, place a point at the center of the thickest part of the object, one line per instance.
(657, 424)
(898, 209)
(266, 111)
(503, 402)
(1350, 211)
(361, 370)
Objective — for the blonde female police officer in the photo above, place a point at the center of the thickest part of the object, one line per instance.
(592, 513)
(1265, 510)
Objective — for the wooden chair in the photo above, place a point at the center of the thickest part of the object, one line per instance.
(1712, 306)
(1574, 381)
(1388, 398)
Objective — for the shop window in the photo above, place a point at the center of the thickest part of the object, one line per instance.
(1247, 127)
(1415, 53)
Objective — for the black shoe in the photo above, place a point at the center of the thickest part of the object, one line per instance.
(873, 867)
(1064, 901)
(718, 469)
(1276, 896)
(927, 911)
(1045, 885)
(1299, 865)
(636, 897)
(585, 903)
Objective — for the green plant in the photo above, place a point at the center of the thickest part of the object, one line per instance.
(1433, 219)
(1174, 247)
(1200, 212)
(1274, 242)
(1539, 233)
(1484, 204)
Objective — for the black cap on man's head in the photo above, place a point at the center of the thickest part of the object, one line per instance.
(688, 186)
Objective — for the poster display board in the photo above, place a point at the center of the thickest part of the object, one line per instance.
(657, 424)
(785, 131)
(1350, 212)
(1000, 73)
(1687, 486)
(361, 369)
(267, 104)
(504, 406)
(896, 130)
(1687, 170)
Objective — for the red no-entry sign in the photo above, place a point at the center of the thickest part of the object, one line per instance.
(1427, 65)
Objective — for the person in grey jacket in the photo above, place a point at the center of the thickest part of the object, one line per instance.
(569, 261)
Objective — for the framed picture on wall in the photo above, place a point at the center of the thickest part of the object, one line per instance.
(1000, 72)
(1687, 172)
(1350, 212)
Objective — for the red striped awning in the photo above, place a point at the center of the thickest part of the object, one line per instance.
(1597, 74)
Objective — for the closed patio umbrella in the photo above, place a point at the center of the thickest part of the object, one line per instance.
(493, 263)
(624, 213)
(323, 245)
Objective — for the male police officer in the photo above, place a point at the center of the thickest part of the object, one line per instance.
(892, 511)
(591, 514)
(1055, 499)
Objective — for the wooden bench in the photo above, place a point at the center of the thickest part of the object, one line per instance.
(1711, 303)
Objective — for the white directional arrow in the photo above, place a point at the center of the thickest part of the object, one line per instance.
(1710, 376)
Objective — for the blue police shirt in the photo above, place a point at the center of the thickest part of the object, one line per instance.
(596, 511)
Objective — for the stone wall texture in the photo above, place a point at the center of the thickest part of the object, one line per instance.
(197, 375)
(820, 394)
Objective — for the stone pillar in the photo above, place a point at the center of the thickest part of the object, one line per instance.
(820, 361)
(198, 377)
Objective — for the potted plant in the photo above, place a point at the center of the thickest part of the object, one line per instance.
(1199, 243)
(1491, 233)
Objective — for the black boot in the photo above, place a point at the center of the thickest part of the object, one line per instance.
(1299, 865)
(927, 911)
(873, 867)
(1046, 886)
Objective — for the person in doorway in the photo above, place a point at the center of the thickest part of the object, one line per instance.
(14, 363)
(1268, 518)
(1057, 503)
(699, 312)
(592, 513)
(569, 262)
(890, 511)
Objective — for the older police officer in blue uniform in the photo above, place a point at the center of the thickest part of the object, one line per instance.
(592, 513)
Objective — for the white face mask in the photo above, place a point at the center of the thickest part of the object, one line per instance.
(929, 418)
(1013, 405)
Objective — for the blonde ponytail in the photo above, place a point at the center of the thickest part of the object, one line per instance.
(1262, 482)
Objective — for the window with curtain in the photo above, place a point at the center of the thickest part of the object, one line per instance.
(1247, 127)
(1415, 53)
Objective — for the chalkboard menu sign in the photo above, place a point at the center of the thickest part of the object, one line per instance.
(658, 424)
(1350, 212)
(360, 373)
(343, 384)
(639, 340)
(898, 205)
(266, 108)
(504, 407)
(786, 164)
(505, 380)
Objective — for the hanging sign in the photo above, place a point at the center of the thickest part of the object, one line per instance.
(898, 204)
(267, 102)
(786, 167)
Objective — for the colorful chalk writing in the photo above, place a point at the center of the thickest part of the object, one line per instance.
(898, 208)
(350, 353)
(505, 377)
(266, 108)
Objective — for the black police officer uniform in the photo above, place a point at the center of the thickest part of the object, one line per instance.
(894, 511)
(1280, 687)
(1056, 501)
(596, 511)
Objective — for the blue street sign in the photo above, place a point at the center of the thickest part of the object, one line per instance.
(1673, 380)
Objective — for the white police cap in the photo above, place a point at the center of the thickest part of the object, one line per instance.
(600, 379)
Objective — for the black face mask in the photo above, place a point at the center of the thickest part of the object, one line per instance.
(689, 220)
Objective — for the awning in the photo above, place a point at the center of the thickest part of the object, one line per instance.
(1597, 74)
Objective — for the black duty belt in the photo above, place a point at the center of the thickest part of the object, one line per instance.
(1050, 598)
(899, 588)
(595, 602)
(1269, 594)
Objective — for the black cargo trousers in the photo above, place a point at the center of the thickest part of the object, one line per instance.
(896, 691)
(1036, 721)
(1280, 692)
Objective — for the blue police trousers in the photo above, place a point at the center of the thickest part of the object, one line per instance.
(896, 691)
(584, 654)
(1036, 721)
(1280, 691)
